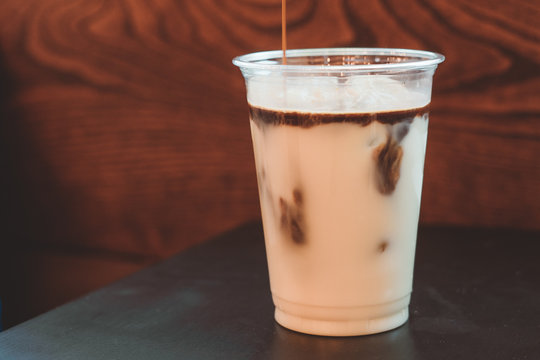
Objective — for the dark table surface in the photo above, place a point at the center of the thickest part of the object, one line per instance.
(476, 296)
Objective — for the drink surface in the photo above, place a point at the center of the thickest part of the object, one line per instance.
(355, 94)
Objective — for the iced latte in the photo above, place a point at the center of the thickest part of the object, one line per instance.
(339, 141)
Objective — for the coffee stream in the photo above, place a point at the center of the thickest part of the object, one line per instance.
(284, 29)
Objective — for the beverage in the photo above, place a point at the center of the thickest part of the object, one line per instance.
(339, 151)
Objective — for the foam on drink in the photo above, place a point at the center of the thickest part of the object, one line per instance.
(351, 94)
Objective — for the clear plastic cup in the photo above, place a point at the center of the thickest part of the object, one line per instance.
(339, 138)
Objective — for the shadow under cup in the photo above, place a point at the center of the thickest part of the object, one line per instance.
(339, 138)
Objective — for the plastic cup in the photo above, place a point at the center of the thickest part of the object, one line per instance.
(339, 138)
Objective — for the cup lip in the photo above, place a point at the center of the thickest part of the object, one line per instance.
(262, 60)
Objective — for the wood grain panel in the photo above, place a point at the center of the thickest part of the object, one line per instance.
(124, 126)
(125, 119)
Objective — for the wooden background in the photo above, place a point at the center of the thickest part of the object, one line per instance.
(124, 135)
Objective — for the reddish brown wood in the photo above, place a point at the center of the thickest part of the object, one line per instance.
(124, 126)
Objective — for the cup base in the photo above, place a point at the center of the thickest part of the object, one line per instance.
(396, 315)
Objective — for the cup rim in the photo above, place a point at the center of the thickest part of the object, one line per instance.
(265, 60)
